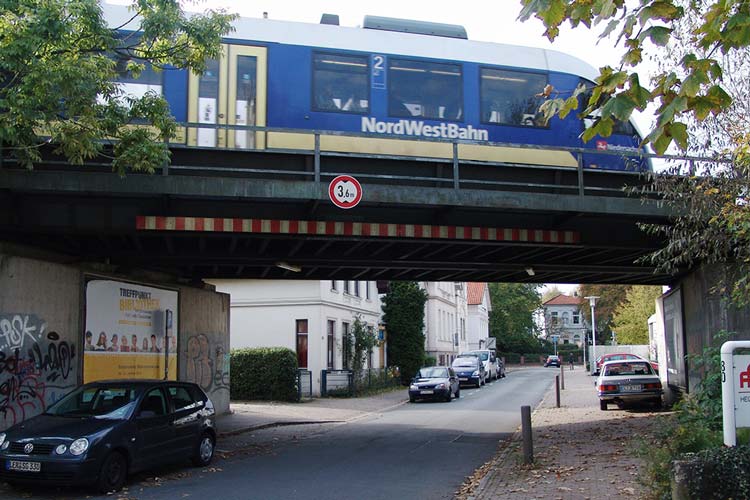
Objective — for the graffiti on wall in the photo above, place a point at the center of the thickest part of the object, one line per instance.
(36, 367)
(207, 364)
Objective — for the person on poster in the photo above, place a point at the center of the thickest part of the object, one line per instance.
(88, 346)
(134, 343)
(145, 348)
(101, 344)
(113, 344)
(154, 347)
(124, 347)
(173, 344)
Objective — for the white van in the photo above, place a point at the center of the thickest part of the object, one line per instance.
(490, 362)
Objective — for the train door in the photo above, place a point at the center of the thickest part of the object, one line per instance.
(227, 98)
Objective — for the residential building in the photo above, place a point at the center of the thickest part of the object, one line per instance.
(456, 318)
(445, 320)
(309, 317)
(478, 308)
(563, 319)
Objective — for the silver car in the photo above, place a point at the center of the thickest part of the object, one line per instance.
(628, 381)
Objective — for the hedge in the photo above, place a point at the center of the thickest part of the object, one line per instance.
(719, 473)
(265, 373)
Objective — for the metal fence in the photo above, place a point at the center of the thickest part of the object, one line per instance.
(304, 384)
(347, 383)
(336, 382)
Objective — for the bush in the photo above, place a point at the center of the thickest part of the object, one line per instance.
(719, 473)
(429, 361)
(266, 373)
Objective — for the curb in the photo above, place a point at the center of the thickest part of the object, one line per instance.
(284, 423)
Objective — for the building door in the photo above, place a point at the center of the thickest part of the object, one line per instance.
(302, 343)
(227, 98)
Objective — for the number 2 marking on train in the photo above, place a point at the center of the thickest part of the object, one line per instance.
(378, 63)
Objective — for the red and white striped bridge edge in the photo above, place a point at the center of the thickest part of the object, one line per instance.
(332, 228)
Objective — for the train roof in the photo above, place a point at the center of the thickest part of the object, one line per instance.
(334, 37)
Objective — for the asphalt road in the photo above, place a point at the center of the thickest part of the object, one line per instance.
(415, 451)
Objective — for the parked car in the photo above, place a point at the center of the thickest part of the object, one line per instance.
(103, 431)
(434, 382)
(628, 381)
(469, 369)
(552, 360)
(489, 360)
(617, 356)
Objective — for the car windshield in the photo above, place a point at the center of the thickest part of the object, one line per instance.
(110, 402)
(465, 361)
(483, 356)
(630, 368)
(433, 372)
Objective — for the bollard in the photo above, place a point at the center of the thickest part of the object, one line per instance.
(562, 377)
(557, 389)
(528, 445)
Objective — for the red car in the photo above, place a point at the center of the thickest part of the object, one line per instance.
(622, 356)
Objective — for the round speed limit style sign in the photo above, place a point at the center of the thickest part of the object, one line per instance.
(345, 191)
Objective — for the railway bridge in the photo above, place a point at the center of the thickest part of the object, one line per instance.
(268, 214)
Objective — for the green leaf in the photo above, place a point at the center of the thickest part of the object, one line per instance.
(679, 134)
(659, 35)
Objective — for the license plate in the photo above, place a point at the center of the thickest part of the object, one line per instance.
(426, 392)
(463, 379)
(24, 466)
(631, 388)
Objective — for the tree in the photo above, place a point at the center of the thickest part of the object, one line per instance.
(59, 63)
(630, 320)
(551, 293)
(700, 92)
(403, 315)
(359, 343)
(512, 316)
(610, 297)
(693, 90)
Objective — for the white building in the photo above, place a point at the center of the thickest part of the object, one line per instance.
(308, 317)
(456, 319)
(479, 308)
(563, 319)
(445, 320)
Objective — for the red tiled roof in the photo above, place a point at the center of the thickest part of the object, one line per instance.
(475, 293)
(564, 300)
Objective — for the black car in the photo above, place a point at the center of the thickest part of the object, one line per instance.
(434, 382)
(103, 431)
(552, 361)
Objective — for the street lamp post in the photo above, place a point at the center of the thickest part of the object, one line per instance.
(592, 302)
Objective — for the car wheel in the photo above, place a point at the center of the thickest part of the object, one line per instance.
(602, 406)
(113, 473)
(204, 451)
(411, 399)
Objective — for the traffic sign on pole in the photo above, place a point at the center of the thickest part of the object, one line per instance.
(345, 191)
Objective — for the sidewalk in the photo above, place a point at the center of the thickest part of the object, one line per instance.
(580, 452)
(254, 415)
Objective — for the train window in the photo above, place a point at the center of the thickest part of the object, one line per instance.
(510, 97)
(425, 89)
(340, 83)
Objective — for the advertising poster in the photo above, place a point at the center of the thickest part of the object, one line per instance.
(131, 331)
(741, 390)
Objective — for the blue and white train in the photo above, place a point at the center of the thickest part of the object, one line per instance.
(390, 87)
